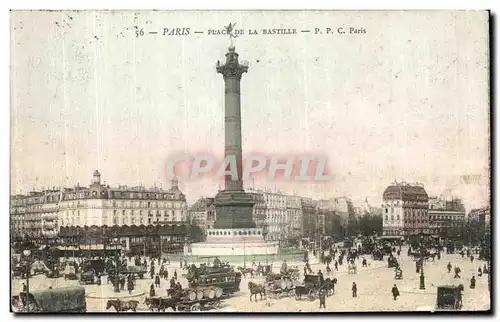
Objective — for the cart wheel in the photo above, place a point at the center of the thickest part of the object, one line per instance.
(312, 294)
(291, 293)
(218, 305)
(196, 307)
(297, 296)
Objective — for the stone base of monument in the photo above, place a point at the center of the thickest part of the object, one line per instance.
(236, 245)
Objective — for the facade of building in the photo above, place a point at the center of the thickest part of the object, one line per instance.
(405, 210)
(100, 205)
(276, 216)
(341, 206)
(445, 217)
(482, 215)
(309, 217)
(43, 214)
(202, 213)
(294, 216)
(259, 209)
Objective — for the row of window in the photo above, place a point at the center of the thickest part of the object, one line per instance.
(228, 233)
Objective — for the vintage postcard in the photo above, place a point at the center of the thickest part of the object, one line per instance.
(250, 161)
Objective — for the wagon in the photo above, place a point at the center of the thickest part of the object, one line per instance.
(199, 305)
(352, 269)
(58, 300)
(310, 287)
(392, 262)
(229, 282)
(266, 269)
(198, 299)
(281, 288)
(449, 297)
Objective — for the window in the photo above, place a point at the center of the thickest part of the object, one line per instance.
(392, 217)
(386, 217)
(398, 217)
(392, 210)
(386, 210)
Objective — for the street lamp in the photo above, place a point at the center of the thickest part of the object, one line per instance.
(264, 234)
(422, 277)
(27, 262)
(116, 246)
(244, 250)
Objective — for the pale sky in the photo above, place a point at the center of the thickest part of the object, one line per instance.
(407, 100)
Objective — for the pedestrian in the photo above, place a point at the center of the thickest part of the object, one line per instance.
(354, 289)
(181, 263)
(165, 274)
(152, 272)
(457, 272)
(122, 283)
(172, 283)
(471, 258)
(157, 280)
(175, 274)
(449, 267)
(485, 269)
(395, 292)
(322, 298)
(473, 282)
(321, 277)
(152, 292)
(336, 265)
(305, 270)
(479, 272)
(130, 286)
(363, 263)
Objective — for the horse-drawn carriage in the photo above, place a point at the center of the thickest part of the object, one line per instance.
(392, 262)
(312, 285)
(352, 269)
(398, 274)
(265, 270)
(281, 287)
(449, 297)
(58, 300)
(228, 281)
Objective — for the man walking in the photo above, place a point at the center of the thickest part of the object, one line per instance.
(354, 289)
(395, 292)
(322, 299)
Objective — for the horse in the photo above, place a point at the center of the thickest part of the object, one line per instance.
(329, 285)
(122, 306)
(161, 304)
(256, 289)
(245, 271)
(433, 256)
